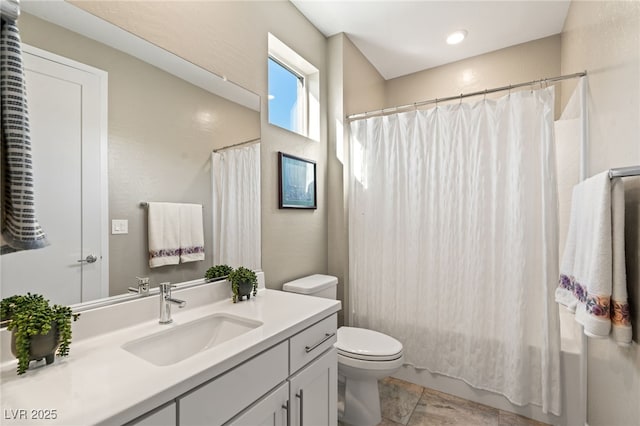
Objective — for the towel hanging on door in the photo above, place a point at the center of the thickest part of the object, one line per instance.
(20, 227)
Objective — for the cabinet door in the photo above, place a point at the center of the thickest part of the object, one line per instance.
(165, 416)
(226, 396)
(313, 392)
(272, 410)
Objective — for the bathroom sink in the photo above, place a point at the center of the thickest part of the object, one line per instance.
(182, 341)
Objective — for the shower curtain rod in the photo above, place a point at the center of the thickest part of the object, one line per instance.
(624, 172)
(238, 144)
(391, 110)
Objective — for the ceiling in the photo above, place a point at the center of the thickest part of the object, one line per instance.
(402, 37)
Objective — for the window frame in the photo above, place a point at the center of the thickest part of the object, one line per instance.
(308, 91)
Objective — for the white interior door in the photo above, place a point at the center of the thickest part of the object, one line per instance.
(67, 109)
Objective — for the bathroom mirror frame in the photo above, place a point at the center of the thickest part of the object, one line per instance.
(73, 18)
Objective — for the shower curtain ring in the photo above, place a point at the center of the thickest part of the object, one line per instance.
(485, 95)
(460, 99)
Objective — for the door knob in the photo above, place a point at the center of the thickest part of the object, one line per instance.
(89, 259)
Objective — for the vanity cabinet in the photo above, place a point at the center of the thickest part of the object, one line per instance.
(298, 378)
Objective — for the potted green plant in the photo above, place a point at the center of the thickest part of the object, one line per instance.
(217, 271)
(38, 328)
(243, 282)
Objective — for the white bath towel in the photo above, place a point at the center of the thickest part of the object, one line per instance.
(592, 273)
(164, 234)
(191, 233)
(175, 233)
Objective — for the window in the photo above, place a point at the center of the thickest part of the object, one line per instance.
(286, 97)
(294, 87)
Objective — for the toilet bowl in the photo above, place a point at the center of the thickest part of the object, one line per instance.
(364, 356)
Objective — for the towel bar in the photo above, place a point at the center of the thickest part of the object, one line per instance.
(624, 172)
(146, 204)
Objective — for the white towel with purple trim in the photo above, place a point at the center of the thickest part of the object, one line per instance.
(164, 234)
(191, 233)
(592, 273)
(176, 234)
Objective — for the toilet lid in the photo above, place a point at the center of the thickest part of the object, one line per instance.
(367, 344)
(311, 284)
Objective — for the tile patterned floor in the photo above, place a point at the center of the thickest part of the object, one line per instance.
(407, 404)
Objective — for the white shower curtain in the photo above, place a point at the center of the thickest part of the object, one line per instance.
(236, 207)
(453, 245)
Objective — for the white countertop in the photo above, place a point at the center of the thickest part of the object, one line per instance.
(101, 383)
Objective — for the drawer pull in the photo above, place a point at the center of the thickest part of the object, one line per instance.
(285, 407)
(301, 396)
(326, 337)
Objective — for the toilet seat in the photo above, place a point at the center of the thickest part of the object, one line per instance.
(370, 358)
(367, 345)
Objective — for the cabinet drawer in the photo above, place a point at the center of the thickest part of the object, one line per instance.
(224, 397)
(312, 342)
(165, 416)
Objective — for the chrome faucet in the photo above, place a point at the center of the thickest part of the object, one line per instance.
(143, 287)
(165, 303)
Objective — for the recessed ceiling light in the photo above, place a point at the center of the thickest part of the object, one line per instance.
(456, 37)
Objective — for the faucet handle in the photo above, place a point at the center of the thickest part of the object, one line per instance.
(143, 285)
(142, 288)
(166, 287)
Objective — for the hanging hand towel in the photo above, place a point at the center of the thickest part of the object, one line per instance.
(191, 233)
(592, 273)
(164, 234)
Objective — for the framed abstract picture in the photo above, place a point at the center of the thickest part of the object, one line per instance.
(296, 182)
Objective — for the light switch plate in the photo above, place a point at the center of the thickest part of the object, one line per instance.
(119, 226)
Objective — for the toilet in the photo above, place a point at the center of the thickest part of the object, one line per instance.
(364, 356)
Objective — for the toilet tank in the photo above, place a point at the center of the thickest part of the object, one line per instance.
(314, 285)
